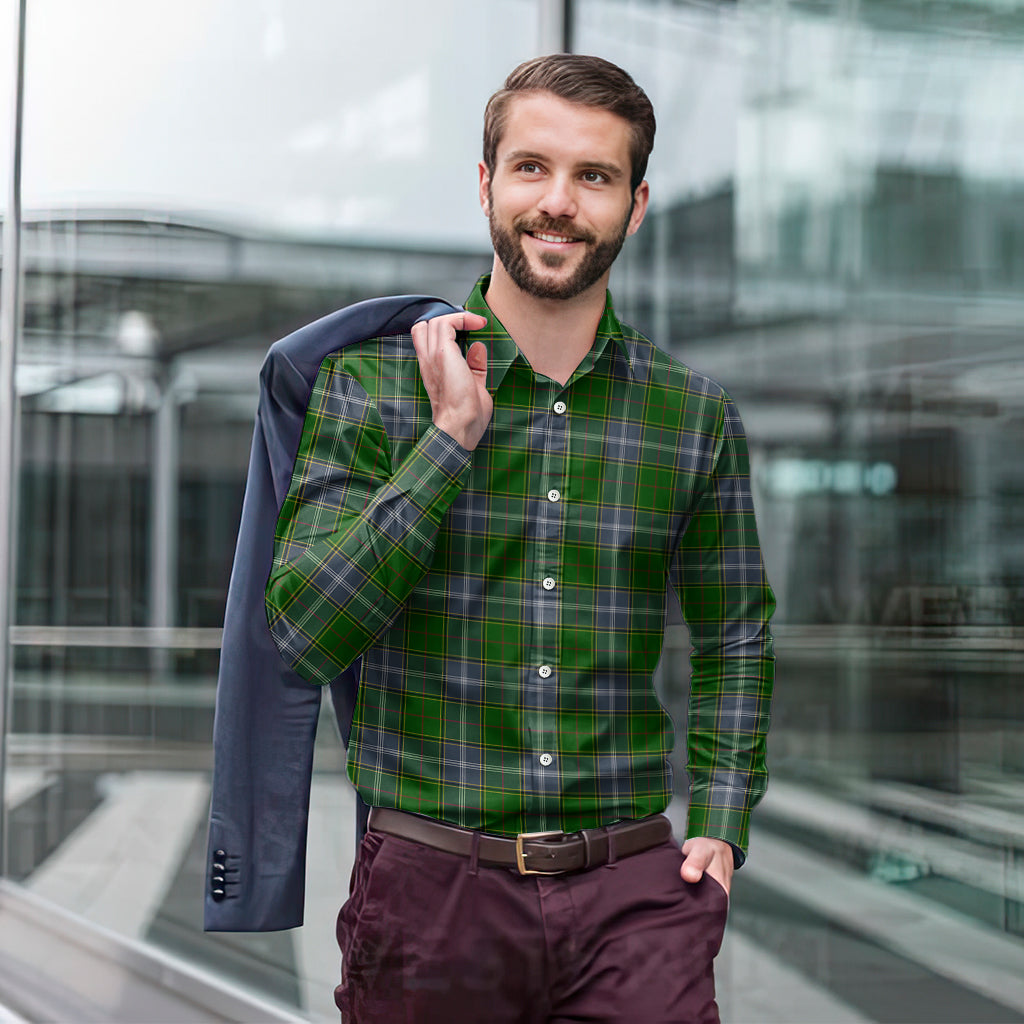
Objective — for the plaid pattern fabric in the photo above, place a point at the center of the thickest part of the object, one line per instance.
(509, 604)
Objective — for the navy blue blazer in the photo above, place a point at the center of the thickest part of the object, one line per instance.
(266, 714)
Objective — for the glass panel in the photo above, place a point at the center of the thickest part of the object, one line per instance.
(8, 55)
(201, 178)
(8, 26)
(836, 235)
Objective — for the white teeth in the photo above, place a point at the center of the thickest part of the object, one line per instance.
(551, 238)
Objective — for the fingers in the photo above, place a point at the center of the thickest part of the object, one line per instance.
(463, 320)
(696, 863)
(477, 358)
(711, 855)
(456, 385)
(435, 344)
(441, 327)
(472, 321)
(434, 341)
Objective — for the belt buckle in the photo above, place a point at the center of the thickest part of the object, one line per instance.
(520, 855)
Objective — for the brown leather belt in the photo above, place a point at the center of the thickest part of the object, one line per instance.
(530, 853)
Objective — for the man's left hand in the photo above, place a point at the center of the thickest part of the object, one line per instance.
(711, 855)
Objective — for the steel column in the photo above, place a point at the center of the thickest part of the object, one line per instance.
(10, 321)
(554, 26)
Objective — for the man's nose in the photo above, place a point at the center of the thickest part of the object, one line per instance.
(559, 198)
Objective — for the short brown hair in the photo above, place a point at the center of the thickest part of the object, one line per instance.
(577, 78)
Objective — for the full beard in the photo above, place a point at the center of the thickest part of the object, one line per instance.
(599, 256)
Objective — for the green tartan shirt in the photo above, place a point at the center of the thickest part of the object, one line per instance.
(509, 603)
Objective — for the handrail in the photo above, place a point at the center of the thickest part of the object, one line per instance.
(167, 637)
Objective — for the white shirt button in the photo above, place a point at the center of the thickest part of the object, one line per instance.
(559, 408)
(546, 759)
(549, 583)
(544, 671)
(554, 495)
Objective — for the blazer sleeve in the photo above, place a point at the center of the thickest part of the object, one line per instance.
(266, 715)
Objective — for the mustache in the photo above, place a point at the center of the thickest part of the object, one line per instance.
(552, 226)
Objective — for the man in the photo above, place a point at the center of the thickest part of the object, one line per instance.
(493, 527)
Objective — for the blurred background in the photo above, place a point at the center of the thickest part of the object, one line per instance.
(836, 234)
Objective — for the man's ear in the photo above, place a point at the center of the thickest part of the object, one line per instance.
(485, 184)
(641, 197)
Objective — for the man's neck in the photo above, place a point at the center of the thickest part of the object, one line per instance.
(553, 334)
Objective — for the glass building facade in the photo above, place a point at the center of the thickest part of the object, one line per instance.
(836, 234)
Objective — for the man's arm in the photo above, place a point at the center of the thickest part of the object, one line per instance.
(355, 534)
(726, 601)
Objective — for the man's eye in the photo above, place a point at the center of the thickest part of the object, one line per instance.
(529, 168)
(593, 177)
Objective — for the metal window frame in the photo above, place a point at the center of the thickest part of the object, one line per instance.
(10, 326)
(554, 26)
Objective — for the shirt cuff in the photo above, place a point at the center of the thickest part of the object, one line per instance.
(730, 825)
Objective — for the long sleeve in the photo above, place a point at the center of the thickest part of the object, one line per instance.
(355, 534)
(719, 577)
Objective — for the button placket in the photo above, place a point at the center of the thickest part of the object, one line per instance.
(551, 441)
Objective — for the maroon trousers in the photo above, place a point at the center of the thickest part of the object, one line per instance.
(429, 937)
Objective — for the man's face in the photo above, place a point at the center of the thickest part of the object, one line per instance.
(559, 203)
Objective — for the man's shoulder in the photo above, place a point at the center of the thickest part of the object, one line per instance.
(380, 367)
(660, 369)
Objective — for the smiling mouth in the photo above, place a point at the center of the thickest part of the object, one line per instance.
(558, 239)
(546, 237)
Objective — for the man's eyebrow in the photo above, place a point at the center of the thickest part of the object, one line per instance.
(522, 154)
(611, 170)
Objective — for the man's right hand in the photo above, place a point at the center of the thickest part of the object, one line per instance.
(457, 386)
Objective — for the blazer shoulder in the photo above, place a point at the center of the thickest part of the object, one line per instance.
(371, 318)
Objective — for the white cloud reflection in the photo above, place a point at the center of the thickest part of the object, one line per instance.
(312, 116)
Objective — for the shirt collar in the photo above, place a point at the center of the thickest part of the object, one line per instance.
(502, 351)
